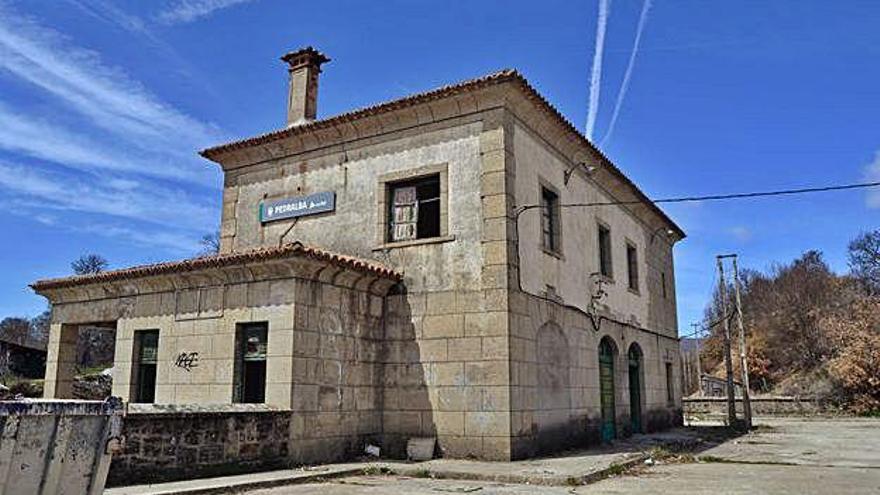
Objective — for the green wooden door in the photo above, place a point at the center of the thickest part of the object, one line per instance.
(606, 391)
(635, 392)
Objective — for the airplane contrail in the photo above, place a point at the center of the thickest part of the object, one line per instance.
(596, 73)
(624, 86)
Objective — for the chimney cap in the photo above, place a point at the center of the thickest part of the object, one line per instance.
(304, 57)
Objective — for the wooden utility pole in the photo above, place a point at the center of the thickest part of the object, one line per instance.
(728, 361)
(743, 361)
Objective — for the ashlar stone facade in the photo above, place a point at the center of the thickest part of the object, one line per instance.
(504, 321)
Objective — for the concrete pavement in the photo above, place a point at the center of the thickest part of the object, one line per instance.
(790, 455)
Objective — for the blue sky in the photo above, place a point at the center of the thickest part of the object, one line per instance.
(103, 105)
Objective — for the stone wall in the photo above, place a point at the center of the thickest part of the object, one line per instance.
(336, 388)
(761, 406)
(174, 445)
(446, 349)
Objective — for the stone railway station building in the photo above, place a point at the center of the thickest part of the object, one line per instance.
(409, 269)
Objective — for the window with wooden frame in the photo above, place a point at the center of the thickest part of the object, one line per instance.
(550, 221)
(604, 239)
(632, 266)
(146, 357)
(414, 209)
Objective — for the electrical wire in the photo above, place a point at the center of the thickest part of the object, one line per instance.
(681, 199)
(718, 197)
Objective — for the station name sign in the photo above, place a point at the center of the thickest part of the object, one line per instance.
(299, 206)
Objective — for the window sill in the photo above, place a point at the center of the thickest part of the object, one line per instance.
(606, 279)
(634, 292)
(415, 242)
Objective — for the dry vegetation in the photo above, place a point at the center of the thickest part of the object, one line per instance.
(810, 331)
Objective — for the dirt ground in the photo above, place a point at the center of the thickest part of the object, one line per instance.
(793, 455)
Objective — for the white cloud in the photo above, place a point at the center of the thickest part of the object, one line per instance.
(183, 11)
(872, 172)
(112, 159)
(596, 71)
(107, 96)
(624, 86)
(740, 233)
(37, 138)
(106, 11)
(185, 244)
(44, 192)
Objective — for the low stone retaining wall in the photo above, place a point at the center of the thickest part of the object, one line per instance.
(761, 406)
(173, 444)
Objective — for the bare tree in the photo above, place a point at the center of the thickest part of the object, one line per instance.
(88, 264)
(210, 243)
(864, 260)
(15, 329)
(39, 327)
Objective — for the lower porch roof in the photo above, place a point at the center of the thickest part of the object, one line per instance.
(315, 261)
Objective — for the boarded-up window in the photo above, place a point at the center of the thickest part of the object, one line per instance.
(146, 356)
(550, 220)
(251, 340)
(415, 209)
(605, 251)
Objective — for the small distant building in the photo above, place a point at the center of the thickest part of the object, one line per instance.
(22, 356)
(405, 270)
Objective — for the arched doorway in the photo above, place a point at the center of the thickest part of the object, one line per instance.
(634, 357)
(607, 352)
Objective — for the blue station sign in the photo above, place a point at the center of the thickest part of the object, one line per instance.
(299, 206)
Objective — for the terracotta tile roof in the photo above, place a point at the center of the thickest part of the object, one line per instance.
(507, 75)
(407, 101)
(216, 261)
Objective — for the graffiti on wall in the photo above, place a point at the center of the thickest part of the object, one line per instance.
(187, 360)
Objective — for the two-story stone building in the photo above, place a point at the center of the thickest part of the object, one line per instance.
(460, 263)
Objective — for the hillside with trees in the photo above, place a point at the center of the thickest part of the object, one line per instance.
(809, 331)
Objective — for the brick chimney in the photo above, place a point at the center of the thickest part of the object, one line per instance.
(304, 65)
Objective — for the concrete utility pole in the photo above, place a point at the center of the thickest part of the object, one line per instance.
(744, 364)
(697, 331)
(728, 360)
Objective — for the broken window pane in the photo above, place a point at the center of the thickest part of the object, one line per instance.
(415, 209)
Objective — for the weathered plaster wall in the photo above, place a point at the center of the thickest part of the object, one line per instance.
(539, 164)
(208, 331)
(554, 389)
(354, 175)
